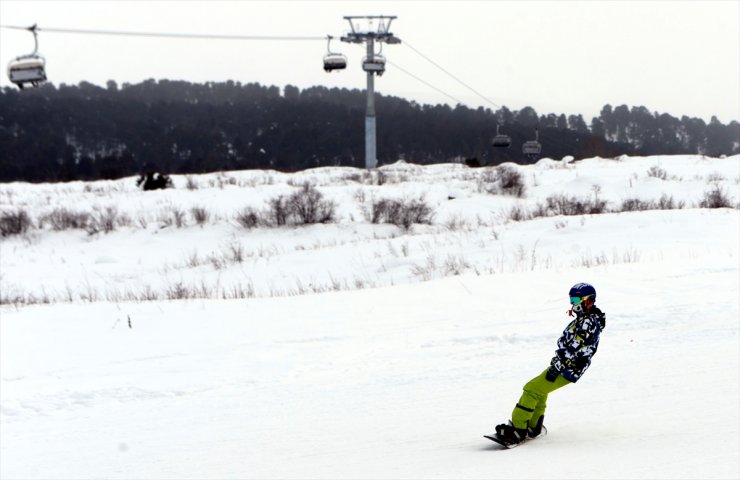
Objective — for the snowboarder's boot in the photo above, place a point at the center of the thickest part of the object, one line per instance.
(510, 435)
(537, 429)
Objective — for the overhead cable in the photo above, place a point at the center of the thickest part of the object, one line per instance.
(166, 35)
(426, 83)
(405, 42)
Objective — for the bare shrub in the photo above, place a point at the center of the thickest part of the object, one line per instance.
(142, 221)
(488, 182)
(668, 203)
(193, 260)
(308, 206)
(635, 204)
(456, 222)
(510, 181)
(563, 205)
(402, 213)
(236, 252)
(657, 172)
(223, 180)
(238, 291)
(381, 178)
(200, 215)
(426, 271)
(14, 222)
(715, 177)
(455, 265)
(171, 216)
(354, 177)
(105, 221)
(383, 210)
(519, 214)
(665, 202)
(178, 216)
(416, 211)
(277, 210)
(248, 218)
(503, 179)
(179, 291)
(64, 219)
(190, 183)
(715, 198)
(218, 262)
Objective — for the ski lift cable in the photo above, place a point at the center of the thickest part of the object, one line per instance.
(425, 82)
(166, 35)
(257, 37)
(405, 42)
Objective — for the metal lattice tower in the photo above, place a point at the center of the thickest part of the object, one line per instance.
(373, 64)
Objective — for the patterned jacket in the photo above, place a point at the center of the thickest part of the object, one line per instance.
(578, 344)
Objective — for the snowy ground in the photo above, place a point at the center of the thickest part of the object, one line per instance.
(396, 381)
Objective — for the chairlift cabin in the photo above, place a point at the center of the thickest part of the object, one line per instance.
(333, 61)
(28, 69)
(375, 65)
(501, 140)
(532, 148)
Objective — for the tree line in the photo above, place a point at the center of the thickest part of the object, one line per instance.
(85, 132)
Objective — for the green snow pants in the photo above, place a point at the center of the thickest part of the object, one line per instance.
(533, 401)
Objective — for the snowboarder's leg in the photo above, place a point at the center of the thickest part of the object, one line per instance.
(533, 402)
(539, 412)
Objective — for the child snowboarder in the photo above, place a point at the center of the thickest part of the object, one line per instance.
(576, 347)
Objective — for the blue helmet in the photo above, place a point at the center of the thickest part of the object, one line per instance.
(583, 290)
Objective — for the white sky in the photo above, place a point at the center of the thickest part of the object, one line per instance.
(677, 57)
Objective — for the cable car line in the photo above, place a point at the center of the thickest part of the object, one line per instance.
(204, 36)
(426, 83)
(29, 69)
(530, 148)
(405, 42)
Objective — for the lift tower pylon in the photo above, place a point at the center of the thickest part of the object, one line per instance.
(373, 64)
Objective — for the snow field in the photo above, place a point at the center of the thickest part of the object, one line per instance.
(396, 381)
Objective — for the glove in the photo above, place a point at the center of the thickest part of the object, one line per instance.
(552, 374)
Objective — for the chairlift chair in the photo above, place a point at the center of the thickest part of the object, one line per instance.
(375, 65)
(28, 69)
(532, 148)
(333, 61)
(501, 140)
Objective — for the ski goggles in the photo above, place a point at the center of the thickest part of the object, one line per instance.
(578, 300)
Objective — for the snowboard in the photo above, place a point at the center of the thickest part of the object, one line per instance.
(494, 438)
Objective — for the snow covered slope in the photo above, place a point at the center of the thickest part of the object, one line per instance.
(397, 381)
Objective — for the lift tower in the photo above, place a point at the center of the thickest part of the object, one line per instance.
(373, 64)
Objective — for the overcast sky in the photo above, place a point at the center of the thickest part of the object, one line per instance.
(676, 57)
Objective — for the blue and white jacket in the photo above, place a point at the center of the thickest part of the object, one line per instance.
(578, 344)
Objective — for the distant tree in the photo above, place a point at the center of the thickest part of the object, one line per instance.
(527, 117)
(577, 124)
(71, 132)
(562, 122)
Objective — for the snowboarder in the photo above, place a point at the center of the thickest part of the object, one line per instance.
(576, 347)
